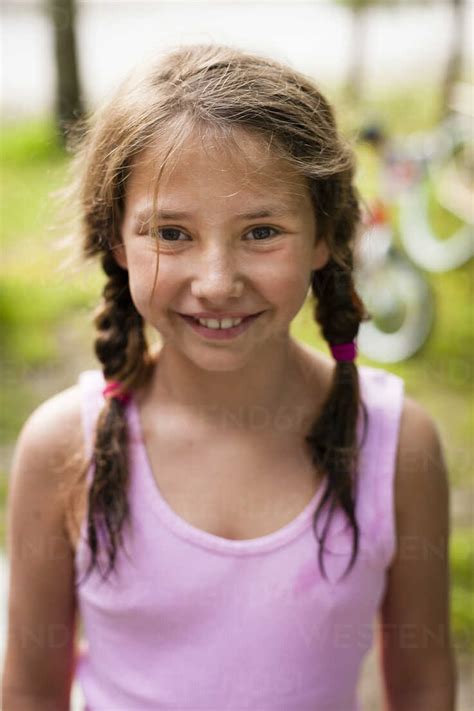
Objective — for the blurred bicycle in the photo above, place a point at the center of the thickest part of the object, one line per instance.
(445, 160)
(400, 240)
(395, 292)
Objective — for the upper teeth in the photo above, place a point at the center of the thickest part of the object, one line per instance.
(225, 323)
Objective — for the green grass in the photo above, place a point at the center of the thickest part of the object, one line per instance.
(462, 594)
(40, 301)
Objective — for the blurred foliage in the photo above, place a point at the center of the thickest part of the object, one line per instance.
(30, 143)
(44, 306)
(462, 592)
(41, 283)
(403, 111)
(28, 313)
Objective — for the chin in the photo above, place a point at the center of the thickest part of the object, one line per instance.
(217, 362)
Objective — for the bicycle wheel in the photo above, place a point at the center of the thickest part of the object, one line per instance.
(401, 304)
(449, 181)
(420, 241)
(453, 181)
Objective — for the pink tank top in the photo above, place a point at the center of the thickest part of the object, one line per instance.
(191, 620)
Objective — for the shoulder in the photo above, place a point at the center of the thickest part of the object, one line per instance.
(421, 477)
(417, 426)
(420, 468)
(49, 453)
(53, 428)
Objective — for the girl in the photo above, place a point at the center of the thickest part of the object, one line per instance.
(230, 512)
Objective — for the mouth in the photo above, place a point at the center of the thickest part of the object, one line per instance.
(220, 334)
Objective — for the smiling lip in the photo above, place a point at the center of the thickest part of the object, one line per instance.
(220, 334)
(219, 316)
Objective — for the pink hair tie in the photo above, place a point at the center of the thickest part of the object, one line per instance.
(112, 391)
(344, 351)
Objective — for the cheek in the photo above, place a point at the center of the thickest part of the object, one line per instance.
(293, 290)
(289, 280)
(141, 274)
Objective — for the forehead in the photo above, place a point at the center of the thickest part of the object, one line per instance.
(229, 167)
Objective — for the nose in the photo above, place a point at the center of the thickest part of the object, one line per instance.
(217, 278)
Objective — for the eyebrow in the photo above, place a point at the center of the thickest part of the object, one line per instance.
(144, 216)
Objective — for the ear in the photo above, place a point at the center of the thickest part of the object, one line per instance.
(321, 254)
(120, 255)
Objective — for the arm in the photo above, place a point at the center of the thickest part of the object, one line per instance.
(40, 651)
(414, 634)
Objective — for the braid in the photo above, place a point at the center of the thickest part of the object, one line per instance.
(332, 438)
(121, 348)
(120, 345)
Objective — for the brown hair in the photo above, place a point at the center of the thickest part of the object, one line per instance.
(223, 89)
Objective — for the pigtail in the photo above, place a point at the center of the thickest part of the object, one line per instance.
(333, 437)
(121, 348)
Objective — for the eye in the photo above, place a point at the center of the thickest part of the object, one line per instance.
(170, 234)
(263, 233)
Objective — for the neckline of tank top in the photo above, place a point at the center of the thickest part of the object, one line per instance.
(199, 537)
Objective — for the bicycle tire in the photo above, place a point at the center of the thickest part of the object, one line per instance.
(421, 243)
(406, 285)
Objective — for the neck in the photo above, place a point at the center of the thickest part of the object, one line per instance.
(258, 395)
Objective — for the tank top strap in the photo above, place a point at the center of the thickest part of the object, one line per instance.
(91, 384)
(383, 394)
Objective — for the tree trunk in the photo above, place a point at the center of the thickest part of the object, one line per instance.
(68, 103)
(454, 65)
(355, 74)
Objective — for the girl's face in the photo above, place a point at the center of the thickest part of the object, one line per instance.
(235, 237)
